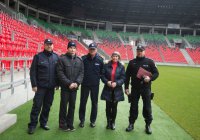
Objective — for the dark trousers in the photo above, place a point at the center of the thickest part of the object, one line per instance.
(66, 117)
(94, 91)
(111, 109)
(43, 99)
(146, 98)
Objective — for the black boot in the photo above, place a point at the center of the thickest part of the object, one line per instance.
(130, 127)
(148, 129)
(108, 124)
(81, 124)
(113, 126)
(45, 127)
(31, 130)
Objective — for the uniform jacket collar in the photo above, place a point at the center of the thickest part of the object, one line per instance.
(90, 58)
(47, 53)
(140, 58)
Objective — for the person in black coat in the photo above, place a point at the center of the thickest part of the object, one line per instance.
(70, 72)
(113, 78)
(43, 80)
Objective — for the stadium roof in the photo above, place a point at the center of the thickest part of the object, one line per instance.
(184, 12)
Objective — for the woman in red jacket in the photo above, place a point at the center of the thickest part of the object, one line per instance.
(113, 79)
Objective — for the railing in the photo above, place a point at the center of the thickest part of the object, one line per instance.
(7, 10)
(6, 85)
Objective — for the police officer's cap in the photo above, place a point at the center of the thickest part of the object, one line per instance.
(48, 41)
(140, 48)
(92, 46)
(71, 44)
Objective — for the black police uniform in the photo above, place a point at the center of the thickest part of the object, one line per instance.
(43, 76)
(140, 88)
(92, 73)
(70, 69)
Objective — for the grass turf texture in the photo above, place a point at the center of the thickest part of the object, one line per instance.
(175, 92)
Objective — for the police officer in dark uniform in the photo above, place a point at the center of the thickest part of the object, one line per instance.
(70, 72)
(140, 87)
(93, 66)
(43, 80)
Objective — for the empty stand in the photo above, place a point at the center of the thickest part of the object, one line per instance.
(18, 39)
(194, 54)
(152, 52)
(111, 43)
(172, 55)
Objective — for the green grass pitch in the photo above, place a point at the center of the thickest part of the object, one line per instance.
(176, 112)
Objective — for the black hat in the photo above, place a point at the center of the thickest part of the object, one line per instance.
(92, 46)
(71, 44)
(48, 41)
(140, 48)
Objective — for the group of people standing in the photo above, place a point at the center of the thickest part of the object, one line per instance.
(68, 71)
